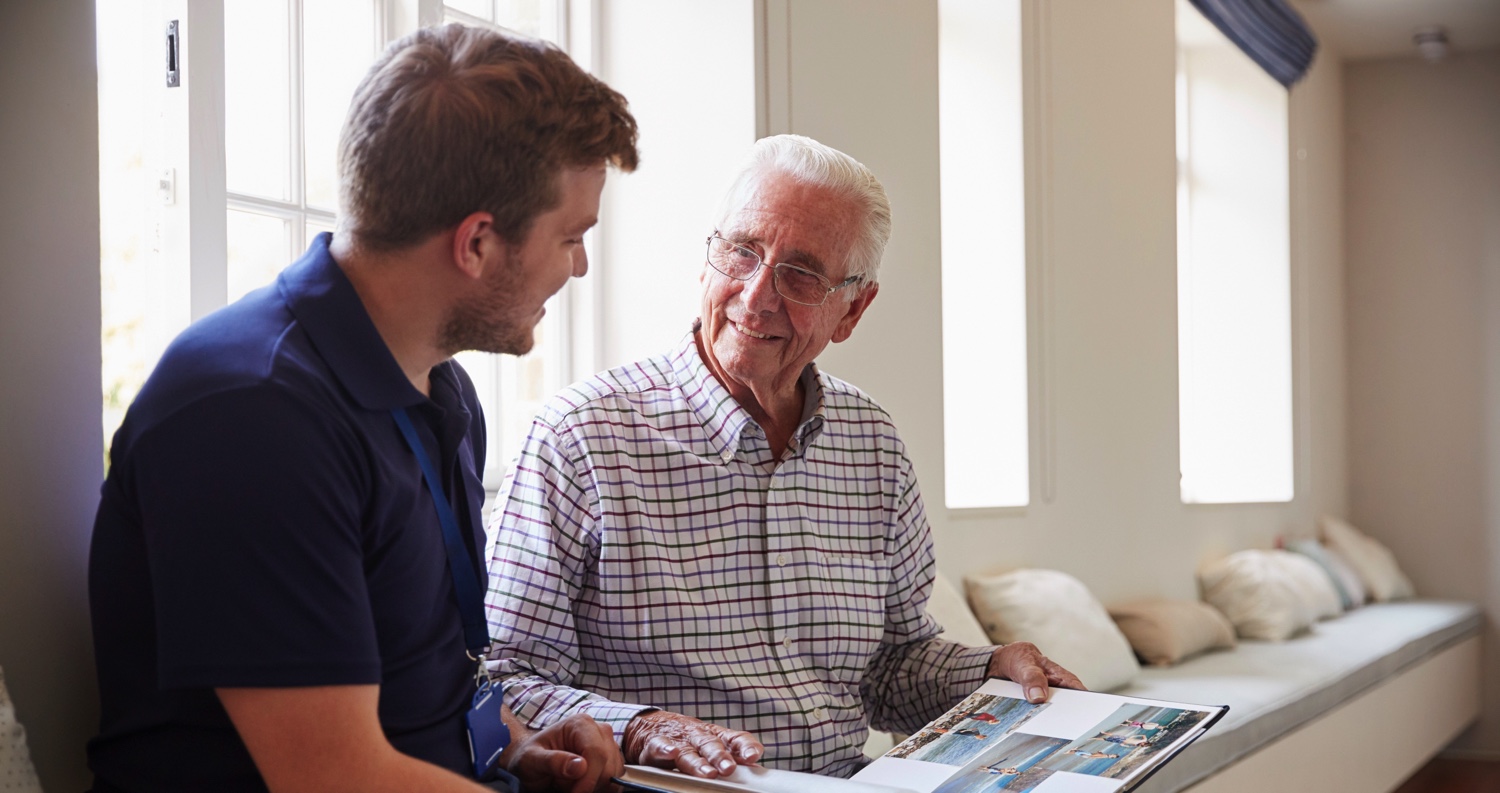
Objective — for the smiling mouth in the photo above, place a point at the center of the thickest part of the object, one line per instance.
(748, 332)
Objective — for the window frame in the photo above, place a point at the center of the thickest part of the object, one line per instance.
(194, 241)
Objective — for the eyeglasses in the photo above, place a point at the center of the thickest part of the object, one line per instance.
(804, 287)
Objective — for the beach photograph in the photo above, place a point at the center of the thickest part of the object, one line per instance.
(1002, 764)
(1125, 741)
(975, 725)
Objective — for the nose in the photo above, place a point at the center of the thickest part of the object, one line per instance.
(759, 293)
(581, 262)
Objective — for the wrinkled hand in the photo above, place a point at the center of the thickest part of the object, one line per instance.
(575, 755)
(668, 740)
(1025, 664)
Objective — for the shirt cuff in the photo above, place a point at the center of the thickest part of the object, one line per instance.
(971, 666)
(615, 714)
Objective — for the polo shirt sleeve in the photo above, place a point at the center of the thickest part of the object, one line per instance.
(914, 676)
(250, 503)
(546, 543)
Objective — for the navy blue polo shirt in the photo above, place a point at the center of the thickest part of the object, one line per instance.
(264, 524)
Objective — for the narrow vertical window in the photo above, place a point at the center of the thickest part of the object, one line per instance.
(1233, 272)
(986, 456)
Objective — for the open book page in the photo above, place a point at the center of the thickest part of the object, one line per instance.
(1077, 741)
(746, 779)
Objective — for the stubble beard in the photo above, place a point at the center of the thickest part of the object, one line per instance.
(490, 321)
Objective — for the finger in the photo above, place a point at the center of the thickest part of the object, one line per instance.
(660, 751)
(691, 763)
(744, 746)
(614, 762)
(1033, 680)
(1062, 678)
(715, 753)
(542, 763)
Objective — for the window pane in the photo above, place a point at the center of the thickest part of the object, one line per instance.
(1234, 273)
(259, 247)
(522, 16)
(257, 98)
(143, 295)
(986, 452)
(483, 9)
(339, 45)
(314, 228)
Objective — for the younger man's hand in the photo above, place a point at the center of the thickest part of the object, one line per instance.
(575, 755)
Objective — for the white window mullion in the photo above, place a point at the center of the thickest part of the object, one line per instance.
(196, 227)
(296, 114)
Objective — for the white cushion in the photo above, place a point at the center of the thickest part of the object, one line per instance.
(1056, 612)
(1255, 591)
(16, 772)
(1318, 593)
(949, 608)
(1374, 563)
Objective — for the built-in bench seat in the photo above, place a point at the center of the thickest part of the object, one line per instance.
(1275, 689)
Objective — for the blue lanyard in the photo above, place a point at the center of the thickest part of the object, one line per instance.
(465, 581)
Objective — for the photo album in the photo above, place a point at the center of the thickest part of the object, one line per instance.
(1078, 741)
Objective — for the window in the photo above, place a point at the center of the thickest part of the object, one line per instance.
(984, 254)
(1233, 272)
(176, 179)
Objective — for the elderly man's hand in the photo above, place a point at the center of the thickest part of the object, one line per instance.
(1025, 664)
(575, 755)
(668, 740)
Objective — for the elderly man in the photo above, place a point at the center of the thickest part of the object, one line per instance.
(283, 585)
(721, 552)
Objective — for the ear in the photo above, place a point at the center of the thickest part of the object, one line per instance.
(475, 244)
(856, 309)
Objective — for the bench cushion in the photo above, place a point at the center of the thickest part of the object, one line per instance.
(1272, 688)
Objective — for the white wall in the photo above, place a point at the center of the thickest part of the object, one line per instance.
(51, 452)
(1424, 329)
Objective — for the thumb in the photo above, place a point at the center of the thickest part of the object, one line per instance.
(1033, 681)
(553, 763)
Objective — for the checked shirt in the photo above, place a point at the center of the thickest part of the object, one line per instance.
(649, 551)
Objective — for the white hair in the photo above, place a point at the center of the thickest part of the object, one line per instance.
(811, 162)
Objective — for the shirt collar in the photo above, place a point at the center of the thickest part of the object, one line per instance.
(722, 418)
(324, 302)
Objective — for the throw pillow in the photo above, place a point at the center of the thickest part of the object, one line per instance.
(16, 771)
(1345, 580)
(1165, 632)
(1374, 562)
(1058, 614)
(1257, 594)
(1348, 577)
(1313, 584)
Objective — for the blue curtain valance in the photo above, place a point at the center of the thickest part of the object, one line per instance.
(1269, 31)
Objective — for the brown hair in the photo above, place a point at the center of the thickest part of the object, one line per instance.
(454, 120)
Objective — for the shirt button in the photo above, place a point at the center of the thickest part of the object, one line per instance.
(727, 456)
(786, 641)
(781, 560)
(817, 713)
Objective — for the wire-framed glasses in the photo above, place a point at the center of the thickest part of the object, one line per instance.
(792, 282)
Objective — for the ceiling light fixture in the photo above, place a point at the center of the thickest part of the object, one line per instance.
(1432, 43)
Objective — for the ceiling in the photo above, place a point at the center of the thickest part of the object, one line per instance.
(1360, 29)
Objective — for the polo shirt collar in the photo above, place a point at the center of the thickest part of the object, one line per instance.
(722, 418)
(325, 304)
